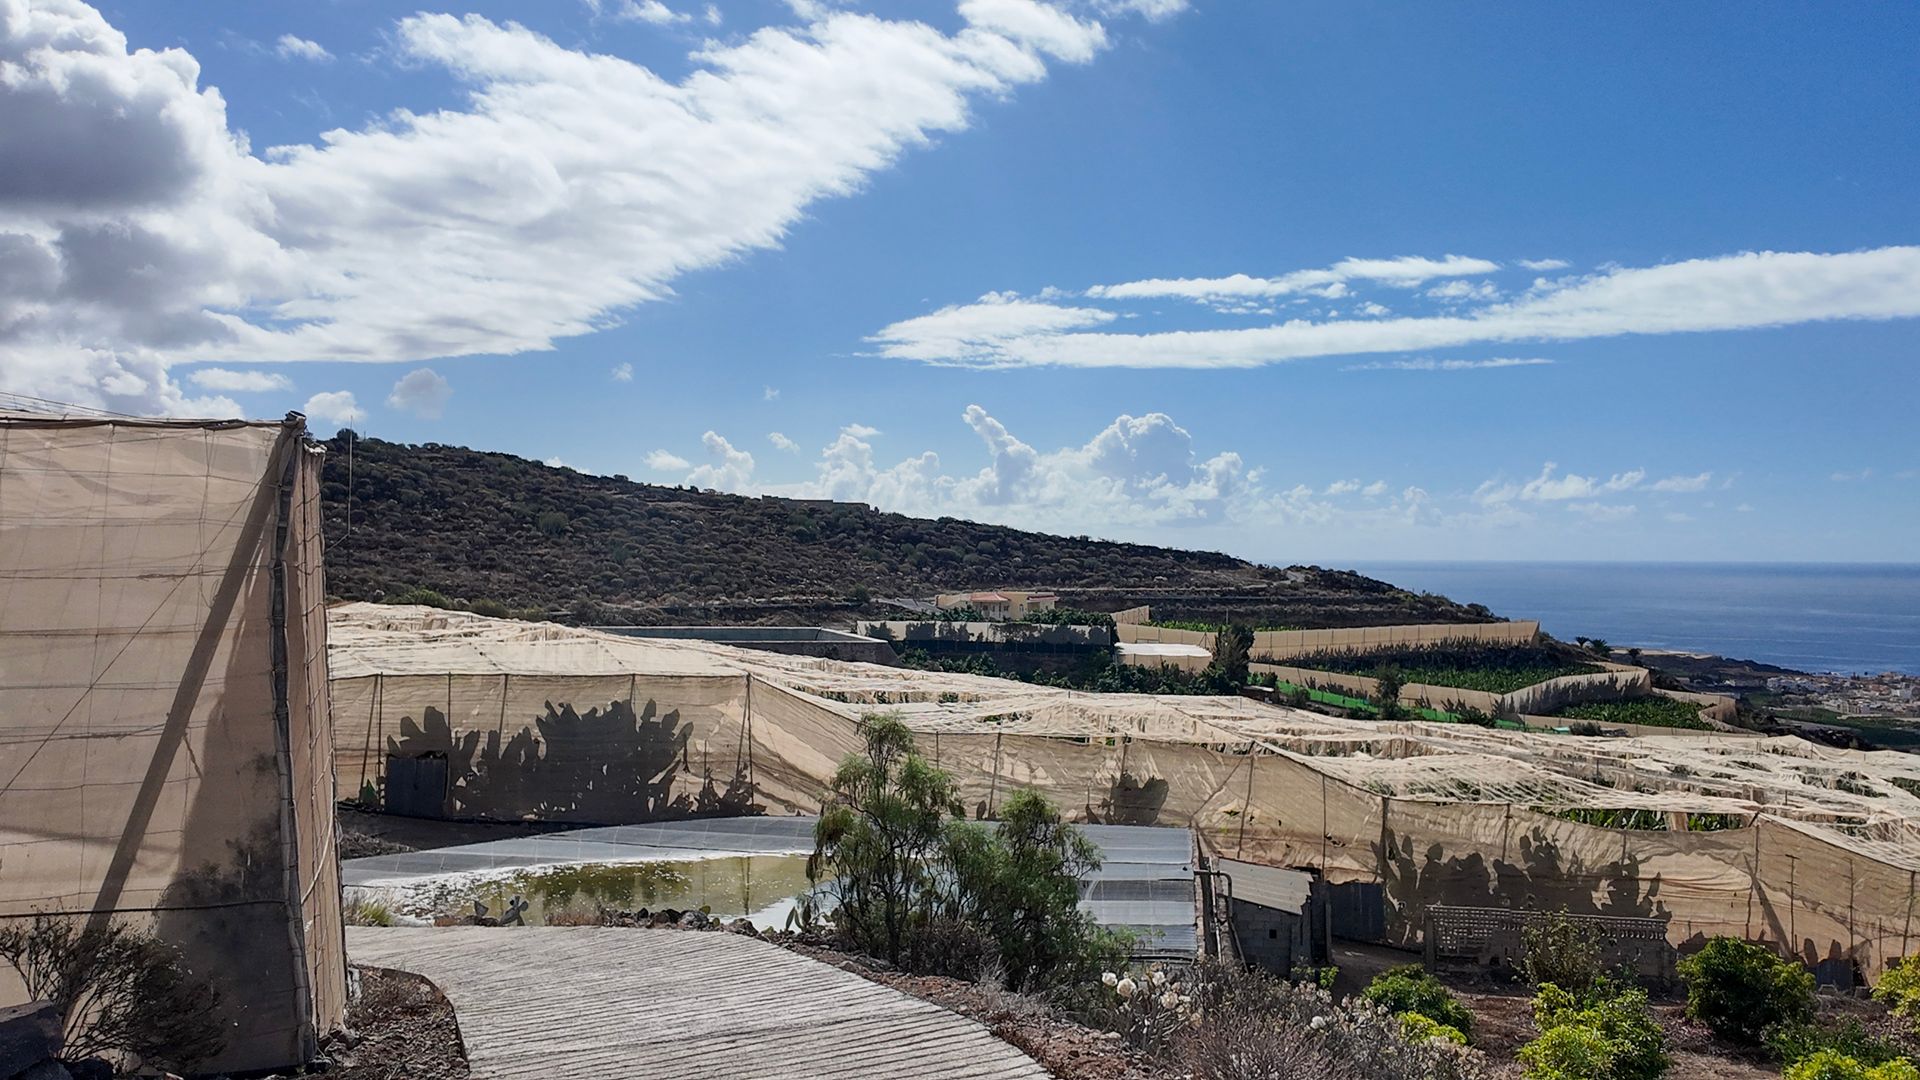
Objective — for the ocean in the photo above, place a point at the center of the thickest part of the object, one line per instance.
(1817, 617)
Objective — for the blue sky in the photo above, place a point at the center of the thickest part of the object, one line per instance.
(1322, 282)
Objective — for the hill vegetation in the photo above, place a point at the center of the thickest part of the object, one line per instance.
(499, 532)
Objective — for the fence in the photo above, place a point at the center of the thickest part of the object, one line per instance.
(1496, 938)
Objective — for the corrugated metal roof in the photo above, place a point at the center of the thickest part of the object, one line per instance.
(1268, 886)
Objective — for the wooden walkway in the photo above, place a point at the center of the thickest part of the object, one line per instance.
(585, 1003)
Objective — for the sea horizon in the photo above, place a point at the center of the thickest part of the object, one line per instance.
(1850, 617)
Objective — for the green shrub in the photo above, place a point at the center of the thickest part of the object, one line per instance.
(1407, 989)
(1740, 990)
(1568, 1052)
(1562, 951)
(1417, 1027)
(1635, 1046)
(919, 886)
(1834, 1065)
(1792, 1042)
(1899, 987)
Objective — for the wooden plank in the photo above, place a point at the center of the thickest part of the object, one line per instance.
(602, 1002)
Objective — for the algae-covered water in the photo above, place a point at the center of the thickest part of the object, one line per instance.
(762, 888)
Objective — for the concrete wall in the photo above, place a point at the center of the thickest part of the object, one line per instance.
(930, 632)
(1282, 644)
(788, 640)
(1619, 680)
(1133, 615)
(1134, 633)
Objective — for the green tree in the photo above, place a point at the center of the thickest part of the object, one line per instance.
(1387, 697)
(1740, 989)
(1232, 651)
(878, 836)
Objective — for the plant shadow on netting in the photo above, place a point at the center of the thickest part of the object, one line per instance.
(1543, 878)
(1130, 801)
(606, 765)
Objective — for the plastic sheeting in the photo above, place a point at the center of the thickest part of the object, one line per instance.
(1822, 860)
(165, 749)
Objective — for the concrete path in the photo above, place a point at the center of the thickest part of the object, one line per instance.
(586, 1003)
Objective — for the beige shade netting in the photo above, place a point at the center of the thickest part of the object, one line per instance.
(1811, 848)
(165, 753)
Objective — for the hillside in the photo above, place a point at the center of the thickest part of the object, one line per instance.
(484, 526)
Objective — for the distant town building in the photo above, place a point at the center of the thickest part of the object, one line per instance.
(1001, 604)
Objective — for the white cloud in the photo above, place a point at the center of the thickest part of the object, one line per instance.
(1550, 486)
(1458, 290)
(622, 372)
(649, 11)
(1342, 487)
(1683, 483)
(336, 407)
(1154, 10)
(239, 382)
(290, 47)
(1603, 511)
(861, 431)
(730, 468)
(422, 392)
(1405, 271)
(1375, 489)
(782, 443)
(769, 393)
(1852, 477)
(1544, 264)
(664, 461)
(555, 463)
(1746, 291)
(141, 230)
(712, 15)
(1426, 363)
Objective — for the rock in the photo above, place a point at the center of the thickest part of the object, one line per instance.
(743, 926)
(46, 1070)
(694, 920)
(29, 1034)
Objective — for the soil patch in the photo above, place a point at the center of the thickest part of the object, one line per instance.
(401, 1026)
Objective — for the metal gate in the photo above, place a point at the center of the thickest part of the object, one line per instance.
(417, 786)
(1359, 911)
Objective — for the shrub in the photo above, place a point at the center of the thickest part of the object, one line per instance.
(121, 991)
(1739, 989)
(1635, 1047)
(1408, 989)
(1248, 1025)
(1562, 951)
(1792, 1042)
(1417, 1027)
(361, 911)
(1568, 1052)
(1899, 987)
(1834, 1065)
(919, 886)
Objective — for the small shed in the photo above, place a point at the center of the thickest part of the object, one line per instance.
(1279, 915)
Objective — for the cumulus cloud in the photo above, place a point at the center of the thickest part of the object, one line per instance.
(1553, 486)
(1683, 484)
(422, 392)
(335, 407)
(290, 47)
(664, 461)
(239, 382)
(649, 11)
(1544, 264)
(1427, 363)
(1752, 290)
(782, 443)
(140, 230)
(622, 372)
(728, 468)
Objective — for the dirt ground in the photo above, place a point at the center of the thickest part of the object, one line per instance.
(400, 1028)
(1503, 1019)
